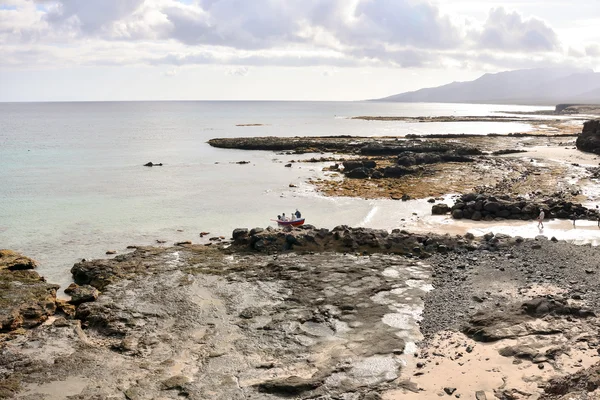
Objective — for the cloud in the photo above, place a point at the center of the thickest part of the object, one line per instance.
(508, 31)
(285, 33)
(592, 50)
(90, 16)
(238, 71)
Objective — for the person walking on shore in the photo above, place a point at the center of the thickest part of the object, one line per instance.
(541, 219)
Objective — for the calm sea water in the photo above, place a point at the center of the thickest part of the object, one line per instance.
(72, 184)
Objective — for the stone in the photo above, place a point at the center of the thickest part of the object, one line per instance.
(440, 209)
(176, 382)
(81, 294)
(239, 233)
(589, 138)
(449, 390)
(26, 300)
(290, 386)
(358, 173)
(13, 261)
(480, 395)
(457, 214)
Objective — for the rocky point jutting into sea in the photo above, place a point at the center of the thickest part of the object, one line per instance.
(343, 313)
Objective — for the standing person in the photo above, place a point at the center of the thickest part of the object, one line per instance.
(298, 215)
(541, 218)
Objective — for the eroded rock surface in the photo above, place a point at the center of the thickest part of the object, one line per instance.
(26, 300)
(203, 323)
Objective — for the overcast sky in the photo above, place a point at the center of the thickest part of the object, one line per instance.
(279, 49)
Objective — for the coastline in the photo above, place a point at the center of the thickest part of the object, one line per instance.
(245, 319)
(274, 313)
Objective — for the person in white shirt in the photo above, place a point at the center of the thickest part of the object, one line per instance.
(541, 218)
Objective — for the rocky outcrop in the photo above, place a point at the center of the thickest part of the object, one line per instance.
(81, 294)
(511, 321)
(589, 139)
(489, 208)
(346, 239)
(26, 300)
(574, 386)
(12, 260)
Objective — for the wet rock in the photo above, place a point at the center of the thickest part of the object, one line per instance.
(151, 164)
(239, 233)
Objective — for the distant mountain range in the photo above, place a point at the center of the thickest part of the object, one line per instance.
(542, 86)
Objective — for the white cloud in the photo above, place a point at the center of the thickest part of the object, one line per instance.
(290, 33)
(508, 31)
(593, 50)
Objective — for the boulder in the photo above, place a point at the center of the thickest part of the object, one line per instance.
(354, 164)
(440, 209)
(395, 172)
(457, 214)
(358, 173)
(589, 139)
(14, 261)
(81, 294)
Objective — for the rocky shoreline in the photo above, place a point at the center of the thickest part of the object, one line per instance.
(275, 314)
(344, 313)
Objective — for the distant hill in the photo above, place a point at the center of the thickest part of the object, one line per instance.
(542, 86)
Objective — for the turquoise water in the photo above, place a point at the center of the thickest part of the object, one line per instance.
(72, 184)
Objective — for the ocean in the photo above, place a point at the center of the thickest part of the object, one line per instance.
(73, 184)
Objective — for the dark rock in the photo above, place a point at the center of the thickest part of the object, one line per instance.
(457, 214)
(589, 139)
(151, 164)
(81, 294)
(395, 172)
(358, 173)
(239, 233)
(440, 209)
(290, 386)
(449, 390)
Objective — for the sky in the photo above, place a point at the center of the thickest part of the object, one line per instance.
(99, 50)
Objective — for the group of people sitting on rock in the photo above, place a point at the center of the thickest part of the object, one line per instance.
(295, 216)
